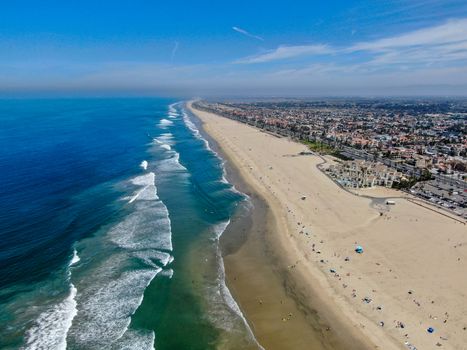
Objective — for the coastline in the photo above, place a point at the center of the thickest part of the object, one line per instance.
(280, 311)
(368, 298)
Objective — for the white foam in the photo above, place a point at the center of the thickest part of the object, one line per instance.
(220, 228)
(144, 164)
(107, 303)
(75, 259)
(189, 123)
(147, 193)
(172, 107)
(173, 112)
(144, 180)
(149, 190)
(167, 273)
(136, 340)
(147, 227)
(218, 312)
(154, 258)
(171, 164)
(99, 314)
(232, 304)
(165, 122)
(165, 138)
(113, 289)
(51, 327)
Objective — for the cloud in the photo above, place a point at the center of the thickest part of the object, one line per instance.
(246, 33)
(284, 52)
(365, 78)
(441, 44)
(174, 51)
(431, 60)
(437, 44)
(450, 32)
(151, 79)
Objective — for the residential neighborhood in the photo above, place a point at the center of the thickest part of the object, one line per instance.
(392, 143)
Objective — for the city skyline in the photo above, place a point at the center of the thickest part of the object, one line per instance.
(337, 49)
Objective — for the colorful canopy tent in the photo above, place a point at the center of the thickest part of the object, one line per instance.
(359, 249)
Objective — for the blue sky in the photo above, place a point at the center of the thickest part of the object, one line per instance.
(241, 48)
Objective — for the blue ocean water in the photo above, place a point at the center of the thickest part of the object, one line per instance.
(110, 213)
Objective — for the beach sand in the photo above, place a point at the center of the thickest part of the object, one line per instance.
(297, 277)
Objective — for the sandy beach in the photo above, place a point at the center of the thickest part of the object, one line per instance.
(297, 277)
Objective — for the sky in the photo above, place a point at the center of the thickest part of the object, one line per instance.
(233, 48)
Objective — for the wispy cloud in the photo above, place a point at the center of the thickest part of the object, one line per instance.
(446, 42)
(431, 60)
(174, 51)
(248, 34)
(285, 52)
(441, 44)
(450, 32)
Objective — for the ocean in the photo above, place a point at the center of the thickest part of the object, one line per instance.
(110, 216)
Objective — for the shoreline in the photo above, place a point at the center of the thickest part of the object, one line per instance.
(386, 298)
(248, 247)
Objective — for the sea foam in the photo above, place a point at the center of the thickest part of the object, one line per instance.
(96, 314)
(107, 303)
(219, 293)
(173, 113)
(165, 138)
(113, 288)
(171, 164)
(136, 340)
(51, 327)
(165, 123)
(189, 123)
(144, 164)
(220, 296)
(148, 191)
(75, 259)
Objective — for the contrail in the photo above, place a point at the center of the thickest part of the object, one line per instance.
(244, 32)
(174, 51)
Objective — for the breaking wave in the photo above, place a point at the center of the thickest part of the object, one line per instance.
(127, 257)
(194, 129)
(219, 294)
(51, 327)
(165, 122)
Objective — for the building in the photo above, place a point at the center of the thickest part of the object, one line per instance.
(363, 174)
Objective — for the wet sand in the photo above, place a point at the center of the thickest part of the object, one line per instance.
(282, 313)
(410, 278)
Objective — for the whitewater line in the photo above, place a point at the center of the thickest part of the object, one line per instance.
(139, 193)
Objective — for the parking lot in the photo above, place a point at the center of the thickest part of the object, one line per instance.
(452, 197)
